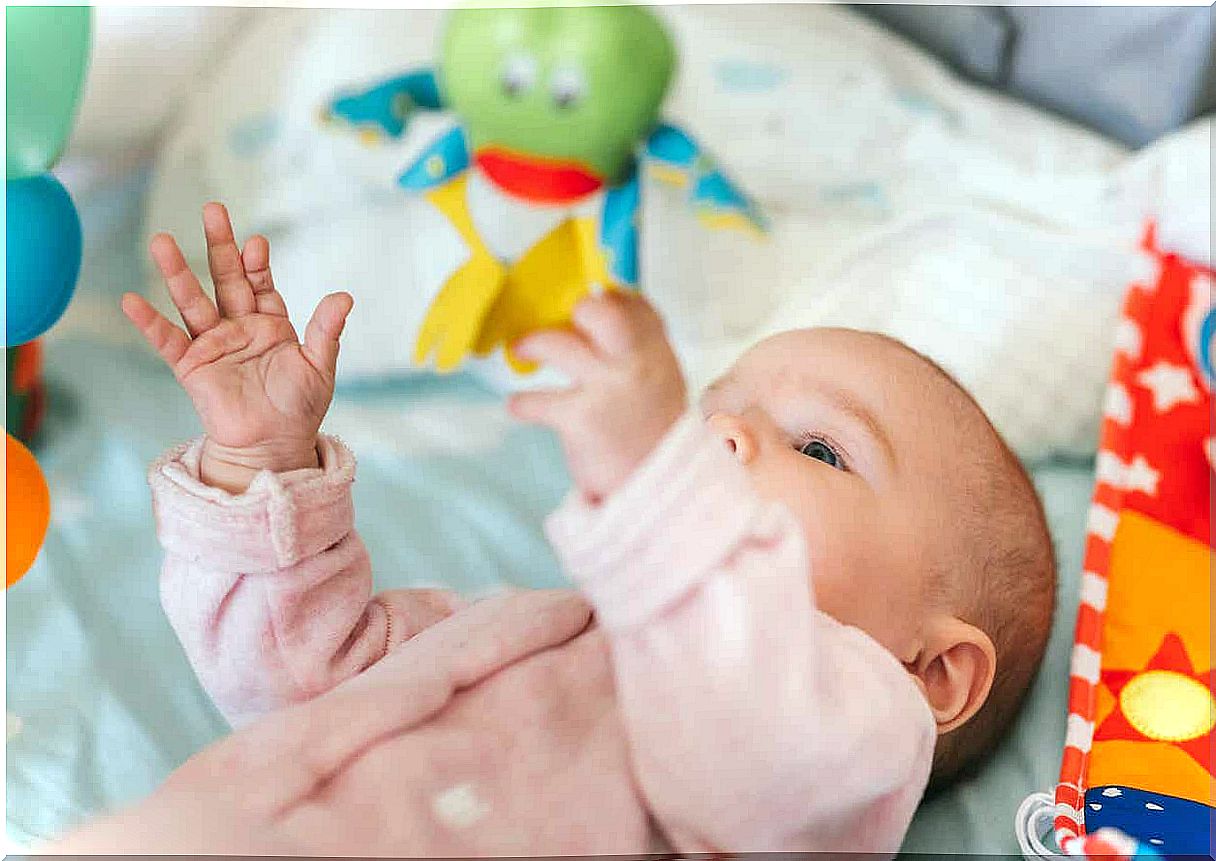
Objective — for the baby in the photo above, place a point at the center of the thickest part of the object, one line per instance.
(798, 605)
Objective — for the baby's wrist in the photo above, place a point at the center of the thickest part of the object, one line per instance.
(232, 468)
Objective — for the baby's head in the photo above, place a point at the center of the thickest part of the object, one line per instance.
(923, 529)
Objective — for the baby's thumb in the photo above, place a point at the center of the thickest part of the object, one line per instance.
(325, 328)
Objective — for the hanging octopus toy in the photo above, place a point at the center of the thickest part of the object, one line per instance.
(556, 109)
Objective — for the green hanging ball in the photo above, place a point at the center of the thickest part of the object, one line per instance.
(47, 53)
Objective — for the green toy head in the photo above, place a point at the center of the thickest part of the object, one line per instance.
(555, 99)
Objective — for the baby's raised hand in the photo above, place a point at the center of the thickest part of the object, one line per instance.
(261, 394)
(626, 390)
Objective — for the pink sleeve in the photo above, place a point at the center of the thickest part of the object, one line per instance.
(757, 722)
(270, 591)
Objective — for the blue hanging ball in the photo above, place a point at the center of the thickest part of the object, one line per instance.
(43, 256)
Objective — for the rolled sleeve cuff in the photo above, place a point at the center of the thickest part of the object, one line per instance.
(278, 521)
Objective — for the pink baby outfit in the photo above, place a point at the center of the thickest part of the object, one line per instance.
(692, 698)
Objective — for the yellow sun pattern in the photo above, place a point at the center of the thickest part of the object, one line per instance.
(1167, 706)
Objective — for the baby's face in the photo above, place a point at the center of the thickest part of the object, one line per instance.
(855, 435)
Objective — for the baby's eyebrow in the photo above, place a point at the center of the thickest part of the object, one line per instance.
(858, 412)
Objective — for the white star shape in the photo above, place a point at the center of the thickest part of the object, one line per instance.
(1118, 405)
(1142, 477)
(1170, 384)
(1137, 475)
(1146, 271)
(1128, 339)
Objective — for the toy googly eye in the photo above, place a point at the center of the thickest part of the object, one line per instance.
(568, 88)
(518, 75)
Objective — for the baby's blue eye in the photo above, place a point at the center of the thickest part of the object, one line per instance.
(820, 450)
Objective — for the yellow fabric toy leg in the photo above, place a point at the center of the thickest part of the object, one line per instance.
(485, 305)
(543, 287)
(452, 324)
(455, 317)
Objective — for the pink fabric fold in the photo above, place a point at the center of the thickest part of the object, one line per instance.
(278, 521)
(681, 513)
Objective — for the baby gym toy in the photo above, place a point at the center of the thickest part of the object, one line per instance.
(554, 105)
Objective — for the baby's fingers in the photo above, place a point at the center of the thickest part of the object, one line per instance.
(169, 341)
(233, 292)
(197, 310)
(324, 329)
(616, 322)
(543, 407)
(256, 258)
(566, 351)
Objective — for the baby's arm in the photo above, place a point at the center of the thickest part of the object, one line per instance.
(756, 722)
(270, 591)
(265, 580)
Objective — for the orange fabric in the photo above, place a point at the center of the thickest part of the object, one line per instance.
(1160, 581)
(1152, 766)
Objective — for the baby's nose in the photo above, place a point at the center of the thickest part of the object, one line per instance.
(736, 433)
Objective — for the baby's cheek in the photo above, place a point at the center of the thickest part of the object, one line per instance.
(833, 594)
(848, 584)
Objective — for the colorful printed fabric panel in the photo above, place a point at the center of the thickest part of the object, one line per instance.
(1136, 775)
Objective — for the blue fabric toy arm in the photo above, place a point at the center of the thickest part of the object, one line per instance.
(444, 158)
(619, 231)
(385, 108)
(673, 156)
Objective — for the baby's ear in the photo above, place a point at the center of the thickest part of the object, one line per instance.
(955, 669)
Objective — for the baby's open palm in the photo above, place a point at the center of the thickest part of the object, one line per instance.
(254, 384)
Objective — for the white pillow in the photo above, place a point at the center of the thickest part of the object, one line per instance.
(995, 238)
(141, 62)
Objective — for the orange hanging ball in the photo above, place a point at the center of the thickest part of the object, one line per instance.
(27, 509)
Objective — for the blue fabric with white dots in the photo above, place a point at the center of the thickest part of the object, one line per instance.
(1172, 826)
